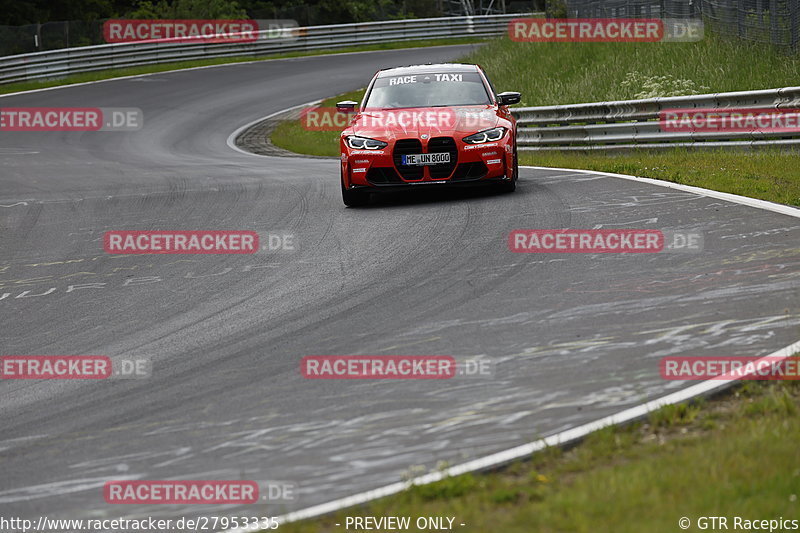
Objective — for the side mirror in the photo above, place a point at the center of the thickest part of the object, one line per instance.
(508, 98)
(346, 106)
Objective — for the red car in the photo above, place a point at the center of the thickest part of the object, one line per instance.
(428, 126)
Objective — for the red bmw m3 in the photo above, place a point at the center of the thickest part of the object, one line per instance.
(428, 126)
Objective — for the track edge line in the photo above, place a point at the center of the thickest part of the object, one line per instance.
(569, 436)
(563, 438)
(728, 197)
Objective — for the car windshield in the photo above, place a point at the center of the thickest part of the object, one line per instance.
(429, 89)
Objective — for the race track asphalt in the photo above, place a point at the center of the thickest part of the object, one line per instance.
(571, 337)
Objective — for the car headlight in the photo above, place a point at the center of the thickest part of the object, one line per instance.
(485, 136)
(365, 143)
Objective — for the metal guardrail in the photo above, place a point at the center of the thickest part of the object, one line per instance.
(60, 63)
(630, 124)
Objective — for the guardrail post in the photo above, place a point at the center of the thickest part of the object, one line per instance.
(740, 19)
(794, 25)
(774, 34)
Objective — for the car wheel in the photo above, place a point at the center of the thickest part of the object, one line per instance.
(511, 186)
(354, 197)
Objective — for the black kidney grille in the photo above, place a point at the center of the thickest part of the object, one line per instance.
(440, 145)
(407, 146)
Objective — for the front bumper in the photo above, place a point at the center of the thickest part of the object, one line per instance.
(470, 164)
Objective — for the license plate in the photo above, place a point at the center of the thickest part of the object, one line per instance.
(425, 159)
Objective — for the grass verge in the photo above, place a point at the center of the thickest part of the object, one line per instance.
(291, 135)
(735, 455)
(559, 73)
(765, 174)
(567, 73)
(163, 67)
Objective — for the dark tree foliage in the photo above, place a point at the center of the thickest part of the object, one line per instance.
(19, 12)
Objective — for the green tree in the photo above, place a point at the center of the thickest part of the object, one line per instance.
(187, 9)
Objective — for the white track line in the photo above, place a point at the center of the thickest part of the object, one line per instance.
(232, 137)
(744, 200)
(524, 451)
(571, 435)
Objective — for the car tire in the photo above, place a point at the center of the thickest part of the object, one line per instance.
(511, 186)
(354, 197)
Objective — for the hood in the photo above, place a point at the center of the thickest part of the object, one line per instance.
(390, 124)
